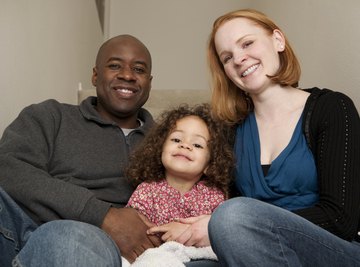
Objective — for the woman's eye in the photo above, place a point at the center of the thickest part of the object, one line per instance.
(226, 59)
(247, 44)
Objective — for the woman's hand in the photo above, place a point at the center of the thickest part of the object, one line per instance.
(197, 232)
(171, 230)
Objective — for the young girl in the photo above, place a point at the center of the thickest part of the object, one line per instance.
(183, 169)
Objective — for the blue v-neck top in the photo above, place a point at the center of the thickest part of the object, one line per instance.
(291, 181)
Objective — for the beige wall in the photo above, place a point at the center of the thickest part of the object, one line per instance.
(46, 48)
(324, 33)
(326, 36)
(176, 33)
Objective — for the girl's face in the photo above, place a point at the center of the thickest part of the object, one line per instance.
(248, 53)
(185, 153)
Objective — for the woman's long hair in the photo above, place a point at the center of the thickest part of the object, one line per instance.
(229, 102)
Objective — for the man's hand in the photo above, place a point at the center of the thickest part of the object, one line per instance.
(197, 234)
(171, 231)
(128, 229)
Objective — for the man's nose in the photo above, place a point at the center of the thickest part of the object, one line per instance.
(126, 74)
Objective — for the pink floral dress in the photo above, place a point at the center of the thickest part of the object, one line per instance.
(161, 203)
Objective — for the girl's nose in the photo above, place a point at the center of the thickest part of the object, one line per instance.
(186, 146)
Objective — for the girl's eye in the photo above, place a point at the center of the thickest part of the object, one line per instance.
(176, 140)
(198, 146)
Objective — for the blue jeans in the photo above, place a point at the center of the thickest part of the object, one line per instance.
(15, 229)
(56, 243)
(248, 232)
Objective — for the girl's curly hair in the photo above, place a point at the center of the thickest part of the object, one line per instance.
(146, 165)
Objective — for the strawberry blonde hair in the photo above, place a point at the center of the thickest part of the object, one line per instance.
(229, 102)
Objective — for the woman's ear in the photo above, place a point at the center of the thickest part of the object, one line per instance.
(279, 40)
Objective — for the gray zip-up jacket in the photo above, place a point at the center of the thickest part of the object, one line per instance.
(61, 161)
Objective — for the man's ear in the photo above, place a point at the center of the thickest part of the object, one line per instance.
(94, 77)
(279, 40)
(150, 82)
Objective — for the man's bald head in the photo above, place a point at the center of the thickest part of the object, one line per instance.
(120, 40)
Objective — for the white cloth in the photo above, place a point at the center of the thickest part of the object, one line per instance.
(172, 254)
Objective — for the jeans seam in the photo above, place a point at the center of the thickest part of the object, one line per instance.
(8, 235)
(333, 249)
(311, 238)
(16, 263)
(275, 230)
(277, 233)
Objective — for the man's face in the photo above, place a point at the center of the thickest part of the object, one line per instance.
(122, 77)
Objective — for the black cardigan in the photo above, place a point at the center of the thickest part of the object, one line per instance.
(331, 126)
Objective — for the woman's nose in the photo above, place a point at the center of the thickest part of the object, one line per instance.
(239, 57)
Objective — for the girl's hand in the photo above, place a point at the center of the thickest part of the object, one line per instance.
(197, 233)
(171, 230)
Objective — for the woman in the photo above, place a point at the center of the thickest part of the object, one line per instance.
(297, 154)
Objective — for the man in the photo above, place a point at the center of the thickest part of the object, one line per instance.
(60, 161)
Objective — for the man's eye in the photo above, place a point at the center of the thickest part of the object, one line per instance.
(139, 70)
(114, 66)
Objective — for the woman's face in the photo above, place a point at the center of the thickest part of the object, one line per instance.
(248, 53)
